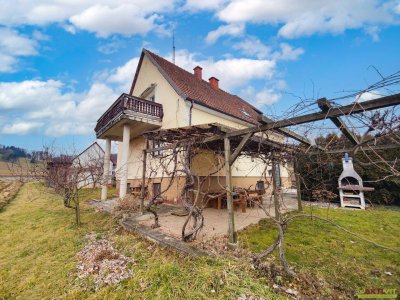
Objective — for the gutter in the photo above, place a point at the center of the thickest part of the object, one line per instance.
(190, 112)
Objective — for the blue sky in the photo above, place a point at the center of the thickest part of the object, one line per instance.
(62, 63)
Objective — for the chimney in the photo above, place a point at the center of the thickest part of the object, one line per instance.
(214, 82)
(198, 72)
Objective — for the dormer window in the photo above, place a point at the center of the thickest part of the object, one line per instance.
(245, 112)
(149, 93)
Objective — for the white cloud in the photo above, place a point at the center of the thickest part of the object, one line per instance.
(111, 47)
(232, 72)
(21, 128)
(239, 71)
(123, 75)
(266, 96)
(104, 20)
(287, 52)
(29, 95)
(373, 31)
(368, 96)
(304, 18)
(103, 17)
(231, 30)
(45, 104)
(254, 47)
(196, 5)
(12, 46)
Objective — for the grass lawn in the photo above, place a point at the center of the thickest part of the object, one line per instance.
(347, 263)
(39, 242)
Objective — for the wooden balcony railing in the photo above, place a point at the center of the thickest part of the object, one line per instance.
(126, 103)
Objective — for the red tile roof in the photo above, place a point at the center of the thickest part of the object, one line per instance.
(201, 91)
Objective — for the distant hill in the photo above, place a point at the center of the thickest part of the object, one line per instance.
(12, 154)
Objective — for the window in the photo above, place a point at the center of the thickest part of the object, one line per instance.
(149, 93)
(156, 190)
(157, 144)
(243, 111)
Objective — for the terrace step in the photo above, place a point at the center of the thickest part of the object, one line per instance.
(164, 240)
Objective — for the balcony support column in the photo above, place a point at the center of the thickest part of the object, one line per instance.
(232, 234)
(124, 161)
(106, 170)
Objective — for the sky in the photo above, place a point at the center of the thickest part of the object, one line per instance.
(64, 62)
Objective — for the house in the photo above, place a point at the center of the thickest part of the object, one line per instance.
(164, 96)
(91, 160)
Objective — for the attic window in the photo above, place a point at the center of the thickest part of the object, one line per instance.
(245, 112)
(149, 92)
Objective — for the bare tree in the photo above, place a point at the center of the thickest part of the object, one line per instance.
(65, 173)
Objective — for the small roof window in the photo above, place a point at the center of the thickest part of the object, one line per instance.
(245, 112)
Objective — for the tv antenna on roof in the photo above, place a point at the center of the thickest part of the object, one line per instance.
(173, 46)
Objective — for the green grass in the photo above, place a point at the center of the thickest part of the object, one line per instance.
(39, 242)
(344, 261)
(86, 194)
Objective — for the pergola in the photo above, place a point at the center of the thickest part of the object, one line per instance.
(249, 140)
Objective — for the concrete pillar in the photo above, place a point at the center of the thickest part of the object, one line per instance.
(143, 187)
(106, 170)
(126, 136)
(229, 199)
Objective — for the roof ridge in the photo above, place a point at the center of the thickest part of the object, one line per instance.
(189, 86)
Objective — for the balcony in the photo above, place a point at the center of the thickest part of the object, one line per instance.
(142, 115)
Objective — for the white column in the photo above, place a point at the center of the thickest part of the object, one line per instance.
(106, 170)
(232, 243)
(124, 161)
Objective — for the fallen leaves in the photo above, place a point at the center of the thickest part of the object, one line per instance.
(100, 260)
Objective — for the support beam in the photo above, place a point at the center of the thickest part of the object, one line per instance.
(351, 109)
(363, 148)
(239, 148)
(276, 189)
(289, 133)
(124, 161)
(298, 185)
(106, 170)
(229, 189)
(325, 106)
(355, 108)
(143, 187)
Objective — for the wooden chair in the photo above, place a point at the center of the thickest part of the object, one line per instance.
(240, 199)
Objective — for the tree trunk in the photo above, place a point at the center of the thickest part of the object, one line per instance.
(77, 212)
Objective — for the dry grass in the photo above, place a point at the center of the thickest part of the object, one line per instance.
(41, 263)
(8, 190)
(129, 204)
(4, 171)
